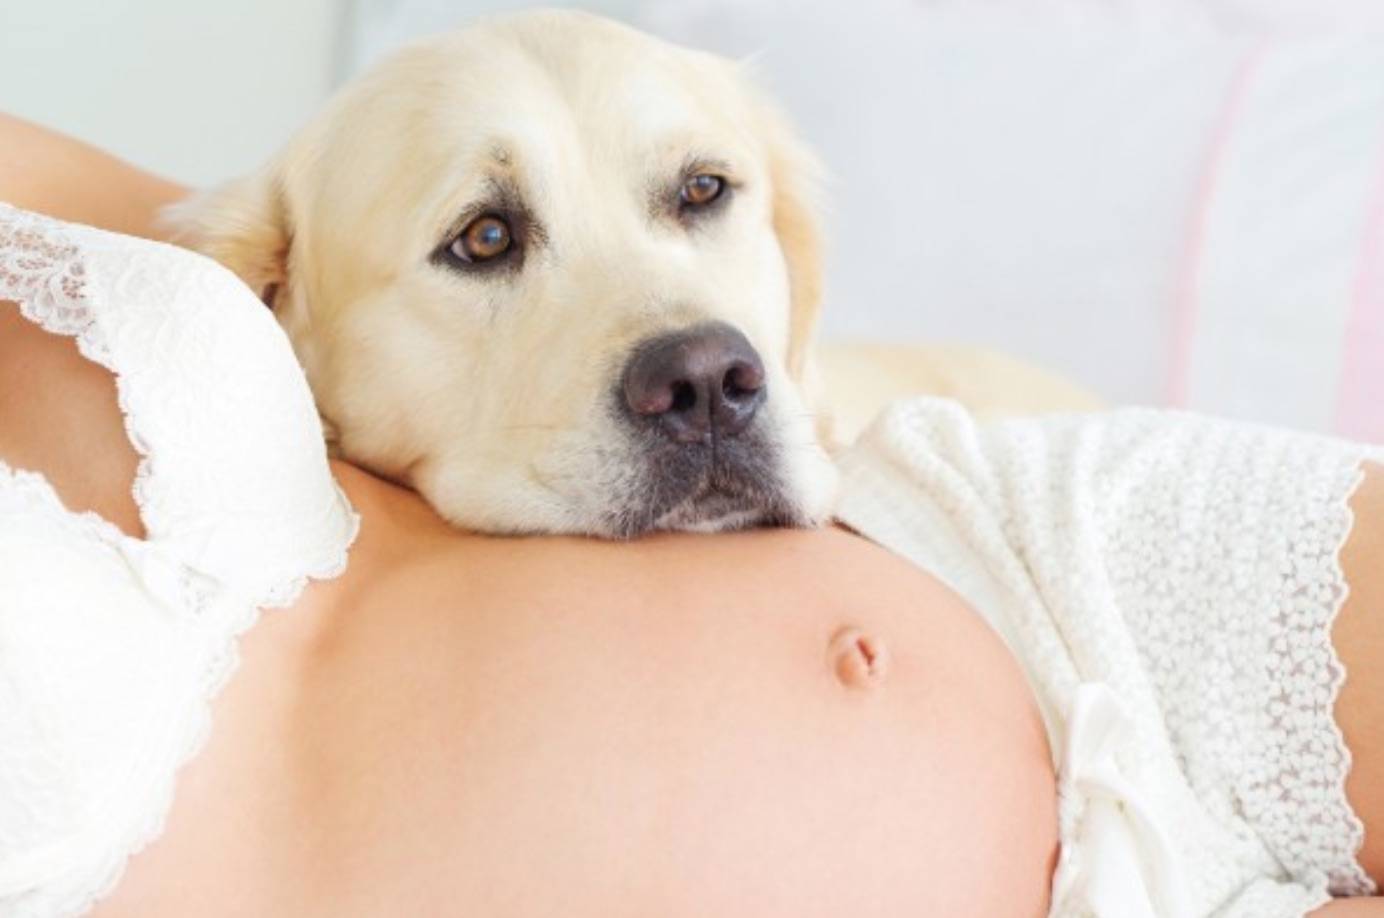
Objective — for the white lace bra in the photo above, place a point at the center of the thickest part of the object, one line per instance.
(112, 647)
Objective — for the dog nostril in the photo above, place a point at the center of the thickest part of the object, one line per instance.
(741, 381)
(684, 397)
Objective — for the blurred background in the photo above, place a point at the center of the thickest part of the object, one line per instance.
(1174, 202)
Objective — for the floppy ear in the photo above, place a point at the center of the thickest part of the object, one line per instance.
(243, 224)
(797, 175)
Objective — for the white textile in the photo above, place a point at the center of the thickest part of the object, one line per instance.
(111, 647)
(1169, 583)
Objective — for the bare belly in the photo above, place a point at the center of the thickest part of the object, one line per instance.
(480, 726)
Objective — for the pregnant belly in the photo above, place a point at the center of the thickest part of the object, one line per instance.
(766, 724)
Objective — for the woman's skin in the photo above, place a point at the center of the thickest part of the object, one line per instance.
(769, 723)
(44, 171)
(774, 723)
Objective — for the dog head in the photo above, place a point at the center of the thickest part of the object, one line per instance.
(555, 275)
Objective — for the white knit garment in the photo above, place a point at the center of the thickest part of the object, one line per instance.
(1169, 583)
(111, 647)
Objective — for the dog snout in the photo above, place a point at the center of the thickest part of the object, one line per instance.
(697, 384)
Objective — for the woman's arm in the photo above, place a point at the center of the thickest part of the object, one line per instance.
(44, 171)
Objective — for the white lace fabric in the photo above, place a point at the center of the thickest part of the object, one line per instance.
(1169, 584)
(111, 647)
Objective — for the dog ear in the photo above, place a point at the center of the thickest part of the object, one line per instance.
(797, 176)
(243, 224)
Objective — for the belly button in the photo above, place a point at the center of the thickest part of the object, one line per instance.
(857, 659)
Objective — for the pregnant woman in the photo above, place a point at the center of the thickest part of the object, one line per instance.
(1104, 678)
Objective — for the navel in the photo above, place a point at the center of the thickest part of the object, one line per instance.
(859, 660)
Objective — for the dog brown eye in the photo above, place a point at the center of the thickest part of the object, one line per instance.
(483, 239)
(700, 190)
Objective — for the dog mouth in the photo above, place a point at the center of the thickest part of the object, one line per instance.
(713, 488)
(714, 510)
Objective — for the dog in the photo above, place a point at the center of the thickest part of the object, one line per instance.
(555, 275)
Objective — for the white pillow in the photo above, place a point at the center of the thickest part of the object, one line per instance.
(1168, 209)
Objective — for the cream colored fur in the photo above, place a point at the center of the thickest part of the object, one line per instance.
(490, 396)
(863, 377)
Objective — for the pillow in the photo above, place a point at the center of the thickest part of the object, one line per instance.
(1173, 203)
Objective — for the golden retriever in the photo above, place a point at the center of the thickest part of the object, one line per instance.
(554, 274)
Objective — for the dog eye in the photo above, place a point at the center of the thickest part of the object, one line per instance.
(484, 238)
(700, 190)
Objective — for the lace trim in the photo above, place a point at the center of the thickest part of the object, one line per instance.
(43, 273)
(1343, 832)
(1259, 709)
(195, 733)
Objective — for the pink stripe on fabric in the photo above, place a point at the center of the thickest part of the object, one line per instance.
(1360, 406)
(1187, 301)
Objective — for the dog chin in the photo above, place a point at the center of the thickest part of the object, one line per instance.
(716, 513)
(716, 504)
(749, 482)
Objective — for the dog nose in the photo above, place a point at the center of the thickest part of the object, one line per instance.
(706, 381)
